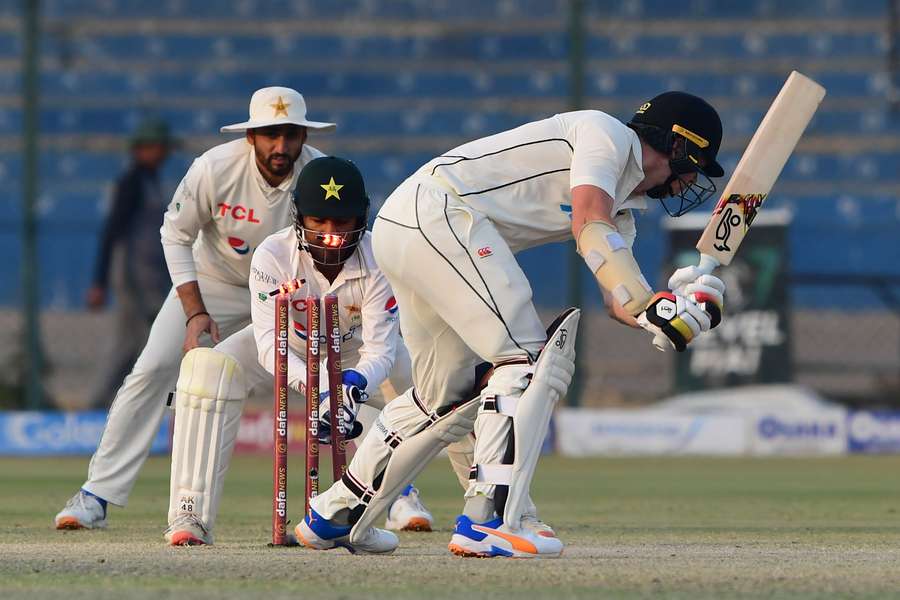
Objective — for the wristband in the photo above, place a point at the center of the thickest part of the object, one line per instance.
(196, 314)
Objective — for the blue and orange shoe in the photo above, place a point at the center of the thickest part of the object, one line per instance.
(318, 533)
(493, 538)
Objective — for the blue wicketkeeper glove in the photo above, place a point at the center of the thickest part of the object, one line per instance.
(354, 385)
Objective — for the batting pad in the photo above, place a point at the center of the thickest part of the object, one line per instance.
(531, 414)
(209, 396)
(411, 456)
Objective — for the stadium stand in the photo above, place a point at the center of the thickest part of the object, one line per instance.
(409, 79)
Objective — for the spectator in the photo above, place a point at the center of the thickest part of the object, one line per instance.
(130, 261)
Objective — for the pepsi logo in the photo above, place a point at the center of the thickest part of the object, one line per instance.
(391, 305)
(239, 245)
(300, 330)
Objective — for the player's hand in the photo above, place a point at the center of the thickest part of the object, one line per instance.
(197, 326)
(352, 428)
(674, 320)
(706, 290)
(355, 384)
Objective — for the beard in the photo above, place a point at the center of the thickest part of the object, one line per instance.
(278, 164)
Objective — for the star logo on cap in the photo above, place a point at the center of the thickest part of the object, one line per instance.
(280, 107)
(331, 189)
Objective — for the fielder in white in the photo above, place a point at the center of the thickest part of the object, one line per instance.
(446, 239)
(230, 200)
(326, 251)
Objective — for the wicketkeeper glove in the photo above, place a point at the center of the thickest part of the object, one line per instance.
(706, 290)
(674, 320)
(354, 384)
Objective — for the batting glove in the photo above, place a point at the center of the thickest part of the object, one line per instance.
(706, 290)
(674, 320)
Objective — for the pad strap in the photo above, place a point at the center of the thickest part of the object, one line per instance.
(493, 473)
(503, 405)
(362, 492)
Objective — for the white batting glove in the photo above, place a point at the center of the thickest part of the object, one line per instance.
(706, 290)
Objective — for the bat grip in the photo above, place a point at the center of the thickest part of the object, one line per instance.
(707, 264)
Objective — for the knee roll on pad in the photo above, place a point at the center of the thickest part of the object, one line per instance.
(530, 413)
(209, 396)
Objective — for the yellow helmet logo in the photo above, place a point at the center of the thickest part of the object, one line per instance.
(332, 189)
(643, 108)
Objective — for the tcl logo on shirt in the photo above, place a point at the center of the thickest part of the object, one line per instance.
(237, 212)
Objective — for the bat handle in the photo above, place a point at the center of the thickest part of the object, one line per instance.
(707, 264)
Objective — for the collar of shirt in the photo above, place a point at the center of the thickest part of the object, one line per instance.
(269, 190)
(633, 175)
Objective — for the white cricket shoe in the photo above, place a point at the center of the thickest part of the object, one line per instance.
(188, 530)
(535, 525)
(318, 533)
(493, 538)
(82, 511)
(407, 513)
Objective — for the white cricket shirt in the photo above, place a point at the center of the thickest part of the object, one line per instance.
(368, 311)
(222, 211)
(521, 179)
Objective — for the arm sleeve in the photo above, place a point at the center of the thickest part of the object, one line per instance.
(189, 211)
(380, 332)
(600, 153)
(124, 204)
(265, 276)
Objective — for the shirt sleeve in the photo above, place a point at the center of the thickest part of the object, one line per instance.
(380, 332)
(187, 213)
(600, 153)
(265, 277)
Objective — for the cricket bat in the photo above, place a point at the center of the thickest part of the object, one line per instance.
(759, 167)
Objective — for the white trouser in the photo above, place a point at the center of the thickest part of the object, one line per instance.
(458, 307)
(137, 410)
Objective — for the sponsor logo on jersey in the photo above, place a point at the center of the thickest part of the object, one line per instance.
(485, 252)
(239, 245)
(238, 212)
(391, 305)
(300, 329)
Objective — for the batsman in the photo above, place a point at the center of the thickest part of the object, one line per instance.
(446, 240)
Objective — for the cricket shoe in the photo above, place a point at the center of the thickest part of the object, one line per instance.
(318, 533)
(188, 530)
(83, 511)
(407, 513)
(535, 525)
(493, 538)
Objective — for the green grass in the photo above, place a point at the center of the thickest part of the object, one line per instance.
(634, 528)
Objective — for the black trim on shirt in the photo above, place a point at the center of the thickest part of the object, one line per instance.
(464, 158)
